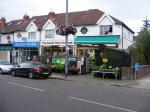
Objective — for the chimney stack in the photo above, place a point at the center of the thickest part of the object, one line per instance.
(51, 15)
(26, 18)
(2, 22)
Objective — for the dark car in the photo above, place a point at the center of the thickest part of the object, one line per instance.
(31, 69)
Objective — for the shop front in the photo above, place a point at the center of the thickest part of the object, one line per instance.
(5, 52)
(56, 48)
(25, 51)
(92, 43)
(93, 48)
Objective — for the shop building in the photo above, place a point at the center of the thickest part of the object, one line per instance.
(6, 40)
(37, 35)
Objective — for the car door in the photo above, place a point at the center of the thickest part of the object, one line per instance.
(24, 69)
(18, 69)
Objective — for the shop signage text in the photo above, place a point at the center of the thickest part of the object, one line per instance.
(55, 43)
(26, 44)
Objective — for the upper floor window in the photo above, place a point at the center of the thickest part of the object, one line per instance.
(49, 33)
(32, 35)
(105, 29)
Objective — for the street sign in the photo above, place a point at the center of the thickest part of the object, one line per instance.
(137, 67)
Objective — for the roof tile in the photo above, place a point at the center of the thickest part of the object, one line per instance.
(88, 17)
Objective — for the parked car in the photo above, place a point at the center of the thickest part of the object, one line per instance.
(5, 66)
(31, 69)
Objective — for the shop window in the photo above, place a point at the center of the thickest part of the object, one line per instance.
(32, 35)
(106, 29)
(49, 33)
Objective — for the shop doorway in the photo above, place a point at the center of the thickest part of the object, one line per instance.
(24, 54)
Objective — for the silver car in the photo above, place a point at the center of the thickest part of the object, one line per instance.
(5, 66)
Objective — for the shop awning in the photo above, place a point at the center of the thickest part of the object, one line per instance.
(26, 44)
(109, 39)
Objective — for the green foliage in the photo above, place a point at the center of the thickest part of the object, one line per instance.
(103, 67)
(57, 68)
(141, 49)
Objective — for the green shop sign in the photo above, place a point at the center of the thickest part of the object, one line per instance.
(56, 60)
(5, 48)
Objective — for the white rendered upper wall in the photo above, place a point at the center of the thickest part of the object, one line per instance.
(93, 30)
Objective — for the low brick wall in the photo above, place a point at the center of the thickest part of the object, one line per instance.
(129, 73)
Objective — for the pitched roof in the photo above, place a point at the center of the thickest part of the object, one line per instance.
(88, 17)
(117, 21)
(15, 25)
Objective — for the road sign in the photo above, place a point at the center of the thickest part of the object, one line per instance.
(137, 67)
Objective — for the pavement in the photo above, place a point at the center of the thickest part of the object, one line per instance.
(143, 83)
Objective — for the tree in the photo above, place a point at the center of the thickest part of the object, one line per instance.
(140, 50)
(146, 25)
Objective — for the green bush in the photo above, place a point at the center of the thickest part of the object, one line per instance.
(103, 67)
(58, 68)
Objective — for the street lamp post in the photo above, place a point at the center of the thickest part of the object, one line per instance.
(66, 41)
(69, 29)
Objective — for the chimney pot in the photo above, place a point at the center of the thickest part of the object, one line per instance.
(51, 15)
(26, 18)
(2, 22)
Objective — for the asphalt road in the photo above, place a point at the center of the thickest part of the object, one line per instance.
(18, 94)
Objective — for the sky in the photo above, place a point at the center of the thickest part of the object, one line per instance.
(131, 12)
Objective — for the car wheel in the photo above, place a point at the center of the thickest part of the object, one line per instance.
(50, 73)
(31, 75)
(13, 73)
(46, 77)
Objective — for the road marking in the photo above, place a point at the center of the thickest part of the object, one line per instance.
(101, 104)
(26, 86)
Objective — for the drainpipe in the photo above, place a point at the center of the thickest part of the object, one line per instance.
(122, 47)
(13, 49)
(122, 36)
(40, 50)
(74, 47)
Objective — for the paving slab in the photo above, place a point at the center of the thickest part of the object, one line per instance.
(143, 83)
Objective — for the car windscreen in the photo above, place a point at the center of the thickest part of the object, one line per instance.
(36, 64)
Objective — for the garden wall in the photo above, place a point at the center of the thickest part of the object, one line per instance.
(128, 72)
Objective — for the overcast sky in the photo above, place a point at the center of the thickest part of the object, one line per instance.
(131, 12)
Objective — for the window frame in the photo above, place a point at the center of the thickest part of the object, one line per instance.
(105, 29)
(49, 33)
(30, 35)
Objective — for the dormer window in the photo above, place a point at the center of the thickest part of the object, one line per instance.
(106, 30)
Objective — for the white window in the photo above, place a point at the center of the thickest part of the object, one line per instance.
(32, 35)
(49, 33)
(106, 29)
